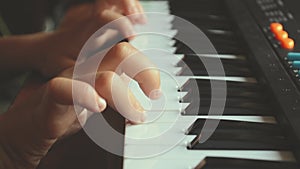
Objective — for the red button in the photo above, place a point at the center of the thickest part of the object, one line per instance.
(288, 43)
(276, 27)
(281, 35)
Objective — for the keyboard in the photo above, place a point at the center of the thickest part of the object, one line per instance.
(258, 124)
(230, 81)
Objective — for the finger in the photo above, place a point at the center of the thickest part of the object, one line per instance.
(119, 96)
(102, 41)
(121, 59)
(142, 19)
(129, 6)
(116, 21)
(124, 58)
(109, 84)
(64, 91)
(57, 112)
(134, 9)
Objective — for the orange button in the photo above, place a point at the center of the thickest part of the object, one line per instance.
(275, 27)
(281, 35)
(288, 43)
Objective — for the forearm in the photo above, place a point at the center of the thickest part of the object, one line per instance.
(21, 53)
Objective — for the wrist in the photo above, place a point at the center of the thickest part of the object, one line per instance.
(5, 161)
(23, 53)
(21, 147)
(7, 155)
(42, 45)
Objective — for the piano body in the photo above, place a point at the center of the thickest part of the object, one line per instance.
(260, 125)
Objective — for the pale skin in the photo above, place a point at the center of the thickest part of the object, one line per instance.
(43, 111)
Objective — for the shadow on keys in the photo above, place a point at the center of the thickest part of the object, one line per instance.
(79, 151)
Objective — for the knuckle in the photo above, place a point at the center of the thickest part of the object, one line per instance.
(53, 84)
(105, 78)
(88, 89)
(122, 50)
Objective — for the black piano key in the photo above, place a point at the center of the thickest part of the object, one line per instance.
(190, 15)
(229, 70)
(208, 21)
(204, 23)
(242, 142)
(241, 99)
(233, 93)
(195, 66)
(237, 163)
(230, 102)
(205, 83)
(238, 126)
(224, 39)
(204, 110)
(198, 59)
(222, 48)
(201, 7)
(204, 101)
(232, 138)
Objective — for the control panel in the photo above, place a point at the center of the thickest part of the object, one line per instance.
(282, 31)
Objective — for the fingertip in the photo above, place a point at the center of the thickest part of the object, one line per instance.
(101, 104)
(141, 119)
(155, 94)
(150, 84)
(130, 33)
(130, 38)
(140, 18)
(143, 19)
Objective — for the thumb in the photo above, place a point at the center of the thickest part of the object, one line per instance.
(57, 113)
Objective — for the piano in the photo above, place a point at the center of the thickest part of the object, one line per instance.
(257, 44)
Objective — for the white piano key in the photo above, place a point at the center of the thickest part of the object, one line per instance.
(153, 20)
(141, 45)
(181, 158)
(158, 6)
(169, 99)
(167, 59)
(170, 118)
(181, 152)
(151, 25)
(191, 157)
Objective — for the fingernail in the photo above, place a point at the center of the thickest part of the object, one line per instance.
(138, 107)
(101, 104)
(155, 94)
(135, 103)
(142, 19)
(143, 117)
(136, 18)
(129, 34)
(130, 38)
(132, 10)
